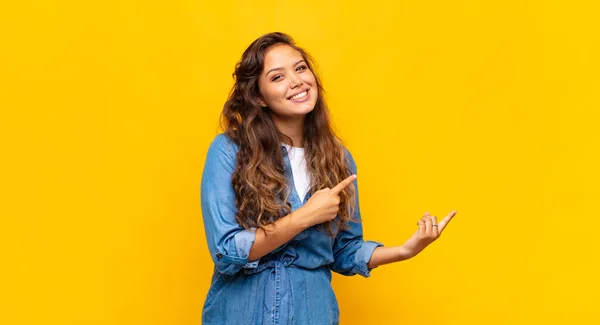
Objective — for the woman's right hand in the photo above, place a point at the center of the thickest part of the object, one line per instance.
(324, 204)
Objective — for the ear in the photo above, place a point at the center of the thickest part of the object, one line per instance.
(261, 101)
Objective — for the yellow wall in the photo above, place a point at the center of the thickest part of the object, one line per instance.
(491, 108)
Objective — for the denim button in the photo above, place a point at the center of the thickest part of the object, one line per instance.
(219, 256)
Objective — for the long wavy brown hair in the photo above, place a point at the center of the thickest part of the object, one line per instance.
(259, 178)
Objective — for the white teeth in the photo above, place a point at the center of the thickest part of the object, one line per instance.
(300, 95)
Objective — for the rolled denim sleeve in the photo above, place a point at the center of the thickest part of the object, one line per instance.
(351, 253)
(228, 242)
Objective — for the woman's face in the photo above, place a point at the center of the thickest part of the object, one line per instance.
(286, 84)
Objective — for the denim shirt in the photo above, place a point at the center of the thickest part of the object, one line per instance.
(292, 284)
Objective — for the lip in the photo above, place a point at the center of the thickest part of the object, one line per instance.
(303, 99)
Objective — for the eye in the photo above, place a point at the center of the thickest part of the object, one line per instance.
(302, 67)
(276, 77)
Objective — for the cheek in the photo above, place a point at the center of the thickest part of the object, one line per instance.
(310, 77)
(275, 91)
(274, 95)
(267, 90)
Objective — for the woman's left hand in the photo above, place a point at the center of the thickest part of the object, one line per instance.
(429, 230)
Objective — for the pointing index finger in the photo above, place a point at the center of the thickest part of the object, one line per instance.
(446, 220)
(338, 188)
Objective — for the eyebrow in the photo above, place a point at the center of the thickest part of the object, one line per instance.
(280, 68)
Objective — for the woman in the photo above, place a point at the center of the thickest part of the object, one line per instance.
(279, 198)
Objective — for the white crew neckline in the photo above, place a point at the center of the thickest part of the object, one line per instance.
(299, 170)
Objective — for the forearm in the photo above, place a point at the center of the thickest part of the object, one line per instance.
(277, 234)
(385, 255)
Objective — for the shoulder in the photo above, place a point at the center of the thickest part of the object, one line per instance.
(222, 151)
(222, 144)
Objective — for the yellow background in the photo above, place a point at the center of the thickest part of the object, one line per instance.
(487, 107)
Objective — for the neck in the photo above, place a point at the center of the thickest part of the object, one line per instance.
(293, 128)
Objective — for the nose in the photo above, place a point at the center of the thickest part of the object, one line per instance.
(295, 81)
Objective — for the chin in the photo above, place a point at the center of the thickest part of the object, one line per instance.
(305, 110)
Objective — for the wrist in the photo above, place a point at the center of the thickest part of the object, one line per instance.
(300, 219)
(404, 253)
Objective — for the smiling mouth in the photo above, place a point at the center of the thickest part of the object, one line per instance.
(299, 96)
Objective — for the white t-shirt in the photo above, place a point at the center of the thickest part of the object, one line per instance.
(299, 171)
